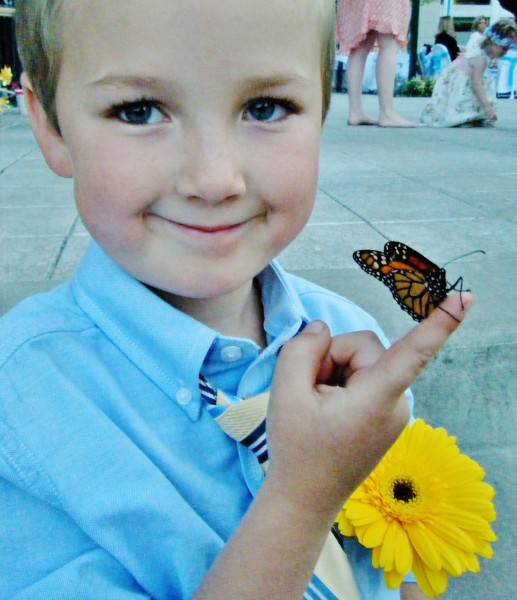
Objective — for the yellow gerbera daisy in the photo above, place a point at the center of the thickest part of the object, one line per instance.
(425, 508)
(6, 76)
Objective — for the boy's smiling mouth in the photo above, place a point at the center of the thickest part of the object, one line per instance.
(207, 229)
(201, 230)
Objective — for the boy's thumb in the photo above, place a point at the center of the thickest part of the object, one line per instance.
(304, 357)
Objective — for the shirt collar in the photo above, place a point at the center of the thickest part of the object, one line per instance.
(239, 366)
(284, 314)
(167, 345)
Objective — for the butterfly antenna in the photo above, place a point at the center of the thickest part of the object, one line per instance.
(457, 286)
(454, 288)
(463, 256)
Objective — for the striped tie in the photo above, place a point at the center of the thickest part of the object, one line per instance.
(245, 422)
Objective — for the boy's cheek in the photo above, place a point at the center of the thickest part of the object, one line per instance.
(297, 162)
(105, 185)
(115, 234)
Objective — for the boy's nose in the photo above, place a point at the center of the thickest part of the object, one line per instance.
(211, 167)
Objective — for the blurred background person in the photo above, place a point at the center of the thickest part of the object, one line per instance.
(446, 35)
(479, 26)
(361, 25)
(464, 94)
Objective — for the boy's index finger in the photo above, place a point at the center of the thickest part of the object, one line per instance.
(403, 362)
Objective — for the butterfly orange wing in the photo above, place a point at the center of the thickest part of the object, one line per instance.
(416, 283)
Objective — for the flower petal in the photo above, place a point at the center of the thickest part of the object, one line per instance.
(376, 552)
(470, 521)
(473, 563)
(453, 559)
(484, 549)
(361, 513)
(427, 552)
(432, 583)
(453, 534)
(374, 535)
(344, 525)
(456, 563)
(404, 552)
(393, 579)
(389, 548)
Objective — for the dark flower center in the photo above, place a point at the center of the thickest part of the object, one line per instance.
(403, 490)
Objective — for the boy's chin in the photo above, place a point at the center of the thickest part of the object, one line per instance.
(179, 295)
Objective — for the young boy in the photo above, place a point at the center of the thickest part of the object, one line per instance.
(191, 130)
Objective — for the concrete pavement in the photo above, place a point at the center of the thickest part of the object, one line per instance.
(444, 192)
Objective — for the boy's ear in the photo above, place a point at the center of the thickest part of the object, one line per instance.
(49, 140)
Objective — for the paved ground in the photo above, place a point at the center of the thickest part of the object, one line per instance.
(444, 192)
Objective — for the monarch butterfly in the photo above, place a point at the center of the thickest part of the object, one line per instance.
(416, 283)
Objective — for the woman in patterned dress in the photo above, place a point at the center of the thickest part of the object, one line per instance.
(361, 24)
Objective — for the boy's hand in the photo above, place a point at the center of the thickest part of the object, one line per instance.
(337, 405)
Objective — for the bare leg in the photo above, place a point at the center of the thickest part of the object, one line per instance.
(354, 77)
(385, 73)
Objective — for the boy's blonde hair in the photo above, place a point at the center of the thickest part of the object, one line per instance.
(37, 26)
(328, 51)
(38, 23)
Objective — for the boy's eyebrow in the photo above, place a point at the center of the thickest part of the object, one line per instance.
(127, 81)
(259, 85)
(250, 85)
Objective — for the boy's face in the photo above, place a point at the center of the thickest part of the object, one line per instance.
(192, 132)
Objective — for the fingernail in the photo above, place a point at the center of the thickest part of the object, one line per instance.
(468, 302)
(314, 327)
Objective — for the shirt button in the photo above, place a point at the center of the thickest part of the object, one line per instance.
(231, 353)
(183, 396)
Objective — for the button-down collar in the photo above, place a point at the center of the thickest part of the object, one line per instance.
(165, 335)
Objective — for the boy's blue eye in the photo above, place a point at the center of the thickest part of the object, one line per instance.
(143, 112)
(268, 110)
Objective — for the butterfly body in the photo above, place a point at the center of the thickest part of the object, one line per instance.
(416, 283)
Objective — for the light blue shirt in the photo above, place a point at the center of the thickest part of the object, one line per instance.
(115, 482)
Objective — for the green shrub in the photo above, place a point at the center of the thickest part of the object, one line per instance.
(417, 86)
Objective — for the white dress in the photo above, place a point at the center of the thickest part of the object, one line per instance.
(474, 42)
(454, 101)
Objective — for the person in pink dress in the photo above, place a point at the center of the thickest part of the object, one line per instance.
(360, 25)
